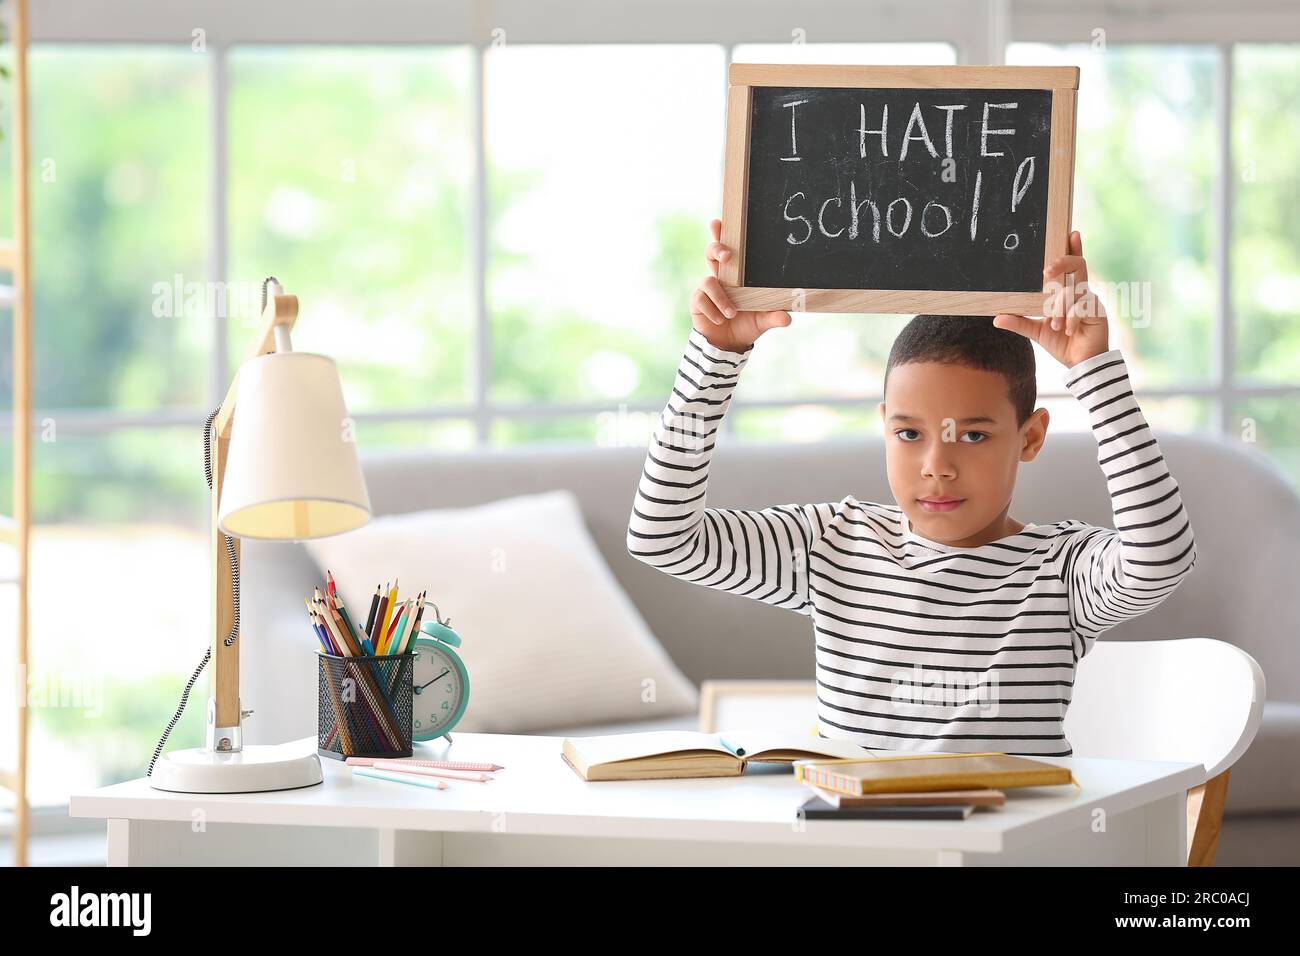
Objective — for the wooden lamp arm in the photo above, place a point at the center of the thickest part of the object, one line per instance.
(224, 722)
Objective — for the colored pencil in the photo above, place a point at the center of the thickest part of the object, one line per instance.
(340, 649)
(347, 622)
(419, 615)
(374, 604)
(320, 635)
(391, 610)
(413, 629)
(320, 629)
(399, 617)
(343, 630)
(406, 778)
(378, 629)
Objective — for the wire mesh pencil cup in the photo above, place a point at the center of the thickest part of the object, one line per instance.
(363, 705)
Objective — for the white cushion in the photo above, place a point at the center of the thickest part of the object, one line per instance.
(549, 637)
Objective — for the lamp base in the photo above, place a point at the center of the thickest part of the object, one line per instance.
(254, 769)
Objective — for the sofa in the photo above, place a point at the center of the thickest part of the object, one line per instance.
(1244, 511)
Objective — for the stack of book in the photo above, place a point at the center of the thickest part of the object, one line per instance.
(847, 781)
(918, 786)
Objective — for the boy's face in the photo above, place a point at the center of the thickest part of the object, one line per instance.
(950, 432)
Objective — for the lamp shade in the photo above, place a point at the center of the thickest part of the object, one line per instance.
(291, 469)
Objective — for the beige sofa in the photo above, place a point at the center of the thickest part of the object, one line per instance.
(1245, 514)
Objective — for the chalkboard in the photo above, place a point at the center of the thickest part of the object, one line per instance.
(890, 189)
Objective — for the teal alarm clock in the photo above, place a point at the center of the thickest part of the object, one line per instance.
(439, 680)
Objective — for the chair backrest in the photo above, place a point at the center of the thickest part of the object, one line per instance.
(1195, 700)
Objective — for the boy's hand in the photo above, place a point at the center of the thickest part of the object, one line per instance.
(1073, 326)
(713, 314)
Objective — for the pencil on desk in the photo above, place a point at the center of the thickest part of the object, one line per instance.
(399, 778)
(421, 762)
(477, 776)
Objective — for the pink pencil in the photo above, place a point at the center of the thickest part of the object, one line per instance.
(399, 767)
(417, 762)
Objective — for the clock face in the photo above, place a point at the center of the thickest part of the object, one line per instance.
(439, 691)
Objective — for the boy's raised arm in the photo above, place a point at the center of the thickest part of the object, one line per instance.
(757, 554)
(1114, 575)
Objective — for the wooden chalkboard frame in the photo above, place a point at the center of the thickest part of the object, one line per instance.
(1062, 82)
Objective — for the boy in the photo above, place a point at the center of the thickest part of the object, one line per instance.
(940, 623)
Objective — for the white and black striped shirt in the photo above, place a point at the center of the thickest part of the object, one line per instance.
(920, 645)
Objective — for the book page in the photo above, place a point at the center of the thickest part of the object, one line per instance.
(609, 748)
(764, 744)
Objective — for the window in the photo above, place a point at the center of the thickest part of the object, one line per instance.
(600, 196)
(1266, 196)
(350, 176)
(1144, 173)
(1196, 255)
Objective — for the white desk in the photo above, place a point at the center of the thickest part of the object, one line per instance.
(538, 811)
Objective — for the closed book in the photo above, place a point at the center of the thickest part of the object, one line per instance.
(930, 772)
(673, 754)
(818, 809)
(935, 798)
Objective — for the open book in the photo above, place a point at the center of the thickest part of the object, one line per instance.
(685, 753)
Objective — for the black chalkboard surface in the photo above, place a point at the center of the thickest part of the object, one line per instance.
(953, 190)
(911, 185)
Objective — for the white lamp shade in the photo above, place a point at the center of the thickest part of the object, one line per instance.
(291, 470)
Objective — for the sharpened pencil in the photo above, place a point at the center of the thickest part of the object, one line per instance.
(374, 605)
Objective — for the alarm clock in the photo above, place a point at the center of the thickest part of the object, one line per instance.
(439, 681)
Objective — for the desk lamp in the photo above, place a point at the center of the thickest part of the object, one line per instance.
(285, 468)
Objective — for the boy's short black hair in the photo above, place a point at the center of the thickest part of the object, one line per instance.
(975, 342)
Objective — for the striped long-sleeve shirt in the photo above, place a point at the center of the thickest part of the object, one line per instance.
(921, 645)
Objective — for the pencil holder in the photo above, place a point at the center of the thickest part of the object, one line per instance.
(364, 706)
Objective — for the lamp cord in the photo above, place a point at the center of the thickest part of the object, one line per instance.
(234, 578)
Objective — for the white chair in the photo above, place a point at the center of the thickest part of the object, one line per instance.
(1194, 700)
